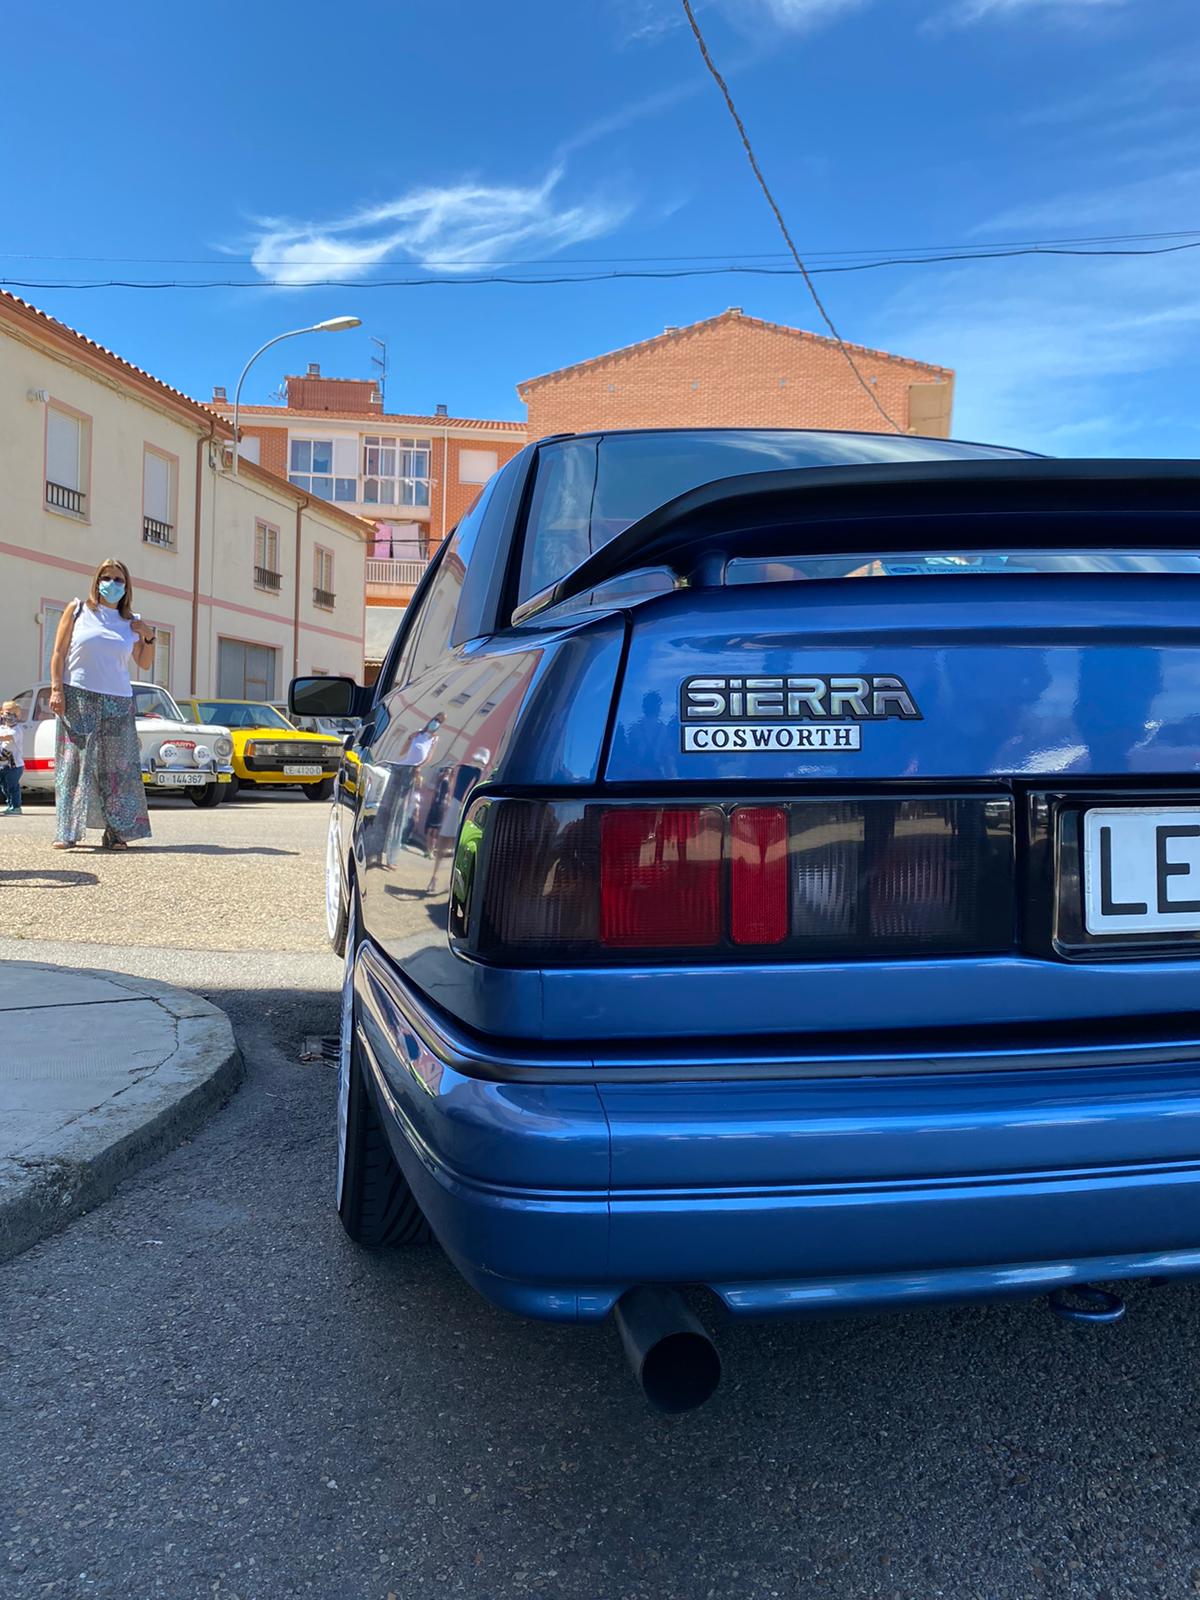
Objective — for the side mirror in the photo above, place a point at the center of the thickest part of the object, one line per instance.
(326, 697)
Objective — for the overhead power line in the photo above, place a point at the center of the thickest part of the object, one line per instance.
(783, 227)
(530, 280)
(728, 257)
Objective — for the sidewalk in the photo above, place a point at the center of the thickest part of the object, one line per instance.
(99, 1074)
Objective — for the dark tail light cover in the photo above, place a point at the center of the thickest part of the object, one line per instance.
(564, 883)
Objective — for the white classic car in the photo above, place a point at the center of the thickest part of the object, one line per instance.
(176, 754)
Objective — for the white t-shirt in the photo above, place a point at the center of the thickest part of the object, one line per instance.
(101, 645)
(12, 740)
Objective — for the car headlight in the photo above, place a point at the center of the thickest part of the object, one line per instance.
(169, 753)
(256, 749)
(331, 750)
(223, 747)
(203, 755)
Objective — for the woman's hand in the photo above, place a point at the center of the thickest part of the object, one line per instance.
(58, 702)
(143, 630)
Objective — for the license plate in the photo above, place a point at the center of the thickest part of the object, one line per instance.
(1141, 869)
(302, 772)
(173, 780)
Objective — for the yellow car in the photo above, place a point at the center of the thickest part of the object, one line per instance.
(268, 752)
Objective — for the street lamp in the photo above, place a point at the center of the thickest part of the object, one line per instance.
(330, 325)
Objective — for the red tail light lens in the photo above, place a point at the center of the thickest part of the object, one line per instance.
(758, 875)
(660, 877)
(563, 882)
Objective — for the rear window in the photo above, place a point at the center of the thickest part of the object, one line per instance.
(788, 569)
(588, 490)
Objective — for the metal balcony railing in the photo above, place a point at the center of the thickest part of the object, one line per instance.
(64, 499)
(156, 532)
(324, 598)
(395, 571)
(264, 578)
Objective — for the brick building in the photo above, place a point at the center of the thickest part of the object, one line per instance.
(738, 371)
(414, 477)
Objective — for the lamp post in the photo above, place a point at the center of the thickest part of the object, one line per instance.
(331, 325)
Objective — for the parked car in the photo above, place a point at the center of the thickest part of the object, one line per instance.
(269, 751)
(822, 927)
(176, 754)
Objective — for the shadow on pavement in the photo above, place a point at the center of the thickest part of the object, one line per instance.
(211, 850)
(48, 878)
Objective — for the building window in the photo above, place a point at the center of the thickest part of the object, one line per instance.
(164, 648)
(52, 611)
(160, 478)
(266, 558)
(395, 471)
(315, 465)
(245, 671)
(323, 578)
(476, 466)
(68, 457)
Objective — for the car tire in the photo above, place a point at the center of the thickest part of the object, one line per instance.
(319, 791)
(207, 796)
(234, 788)
(337, 915)
(375, 1204)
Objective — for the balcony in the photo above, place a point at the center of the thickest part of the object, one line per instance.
(264, 578)
(64, 499)
(323, 598)
(156, 532)
(396, 572)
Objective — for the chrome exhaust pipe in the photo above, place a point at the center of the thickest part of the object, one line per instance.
(674, 1361)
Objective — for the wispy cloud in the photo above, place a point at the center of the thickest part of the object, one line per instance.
(450, 228)
(962, 13)
(1154, 203)
(647, 21)
(1057, 356)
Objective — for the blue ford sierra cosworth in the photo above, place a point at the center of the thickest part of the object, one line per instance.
(770, 865)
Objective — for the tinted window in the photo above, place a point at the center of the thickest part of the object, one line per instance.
(440, 607)
(589, 490)
(229, 714)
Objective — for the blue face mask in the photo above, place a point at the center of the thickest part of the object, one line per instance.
(112, 591)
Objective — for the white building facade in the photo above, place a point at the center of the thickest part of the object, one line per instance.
(248, 579)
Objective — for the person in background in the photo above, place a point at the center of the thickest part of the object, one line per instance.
(12, 758)
(97, 759)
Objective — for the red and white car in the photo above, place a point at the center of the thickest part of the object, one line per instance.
(176, 754)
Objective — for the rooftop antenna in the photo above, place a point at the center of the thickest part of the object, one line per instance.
(380, 361)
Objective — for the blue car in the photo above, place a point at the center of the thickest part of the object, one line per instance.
(769, 869)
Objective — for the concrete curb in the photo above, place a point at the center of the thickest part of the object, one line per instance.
(78, 1165)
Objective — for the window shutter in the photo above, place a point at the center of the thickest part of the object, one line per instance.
(63, 451)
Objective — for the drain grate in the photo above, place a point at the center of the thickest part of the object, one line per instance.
(325, 1050)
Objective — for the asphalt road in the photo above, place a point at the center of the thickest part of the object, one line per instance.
(206, 1391)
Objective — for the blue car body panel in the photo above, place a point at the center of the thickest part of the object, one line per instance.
(800, 1136)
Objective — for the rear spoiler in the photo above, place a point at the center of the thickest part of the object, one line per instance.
(978, 506)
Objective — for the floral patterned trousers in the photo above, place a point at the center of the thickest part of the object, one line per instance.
(98, 768)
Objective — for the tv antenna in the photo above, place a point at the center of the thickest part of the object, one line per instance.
(380, 362)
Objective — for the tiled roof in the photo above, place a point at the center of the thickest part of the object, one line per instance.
(394, 418)
(732, 315)
(19, 311)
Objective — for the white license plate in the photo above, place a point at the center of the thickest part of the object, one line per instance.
(1141, 869)
(173, 780)
(302, 772)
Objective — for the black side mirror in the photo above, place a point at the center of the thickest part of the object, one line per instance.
(326, 697)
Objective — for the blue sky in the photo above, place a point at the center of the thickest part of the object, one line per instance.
(267, 143)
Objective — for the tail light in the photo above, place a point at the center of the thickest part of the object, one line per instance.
(544, 883)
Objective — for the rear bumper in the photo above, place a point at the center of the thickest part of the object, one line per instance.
(785, 1196)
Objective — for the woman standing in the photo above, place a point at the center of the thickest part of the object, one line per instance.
(97, 759)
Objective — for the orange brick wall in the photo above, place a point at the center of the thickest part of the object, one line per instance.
(731, 371)
(273, 446)
(460, 497)
(332, 394)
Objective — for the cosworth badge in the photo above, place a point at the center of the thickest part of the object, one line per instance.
(788, 713)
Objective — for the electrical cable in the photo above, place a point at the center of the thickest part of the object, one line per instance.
(783, 227)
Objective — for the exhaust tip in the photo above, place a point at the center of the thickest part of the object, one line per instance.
(674, 1361)
(681, 1372)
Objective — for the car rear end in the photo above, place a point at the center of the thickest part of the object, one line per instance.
(864, 972)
